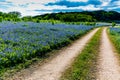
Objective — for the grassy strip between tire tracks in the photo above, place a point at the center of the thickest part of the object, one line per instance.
(84, 67)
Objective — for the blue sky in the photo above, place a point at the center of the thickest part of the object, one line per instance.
(37, 7)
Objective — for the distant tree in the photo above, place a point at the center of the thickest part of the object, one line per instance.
(94, 23)
(113, 24)
(1, 19)
(15, 13)
(1, 13)
(27, 18)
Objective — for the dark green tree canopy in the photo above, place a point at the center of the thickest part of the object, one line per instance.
(99, 15)
(15, 13)
(84, 16)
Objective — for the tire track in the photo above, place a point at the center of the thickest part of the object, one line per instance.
(108, 63)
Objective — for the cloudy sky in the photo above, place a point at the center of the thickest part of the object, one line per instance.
(37, 7)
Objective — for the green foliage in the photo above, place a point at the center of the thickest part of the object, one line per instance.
(113, 24)
(115, 38)
(15, 13)
(66, 17)
(90, 23)
(27, 18)
(85, 16)
(94, 23)
(1, 19)
(11, 16)
(82, 67)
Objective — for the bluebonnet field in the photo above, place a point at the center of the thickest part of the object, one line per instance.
(115, 31)
(24, 40)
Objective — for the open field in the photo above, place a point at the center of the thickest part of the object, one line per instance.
(84, 57)
(23, 41)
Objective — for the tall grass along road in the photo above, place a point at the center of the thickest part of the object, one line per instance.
(53, 69)
(108, 63)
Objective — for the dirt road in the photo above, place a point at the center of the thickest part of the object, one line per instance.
(108, 63)
(52, 70)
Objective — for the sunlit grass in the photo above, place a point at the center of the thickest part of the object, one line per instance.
(114, 35)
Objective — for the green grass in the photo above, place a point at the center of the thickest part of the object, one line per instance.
(115, 39)
(6, 73)
(84, 66)
(117, 26)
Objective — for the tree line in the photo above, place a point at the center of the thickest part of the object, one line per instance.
(89, 16)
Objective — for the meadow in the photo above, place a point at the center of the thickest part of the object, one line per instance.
(22, 41)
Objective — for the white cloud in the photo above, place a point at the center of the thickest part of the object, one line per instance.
(113, 8)
(116, 3)
(105, 2)
(78, 0)
(28, 7)
(88, 7)
(29, 1)
(31, 6)
(38, 7)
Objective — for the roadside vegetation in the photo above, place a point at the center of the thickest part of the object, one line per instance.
(114, 34)
(84, 66)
